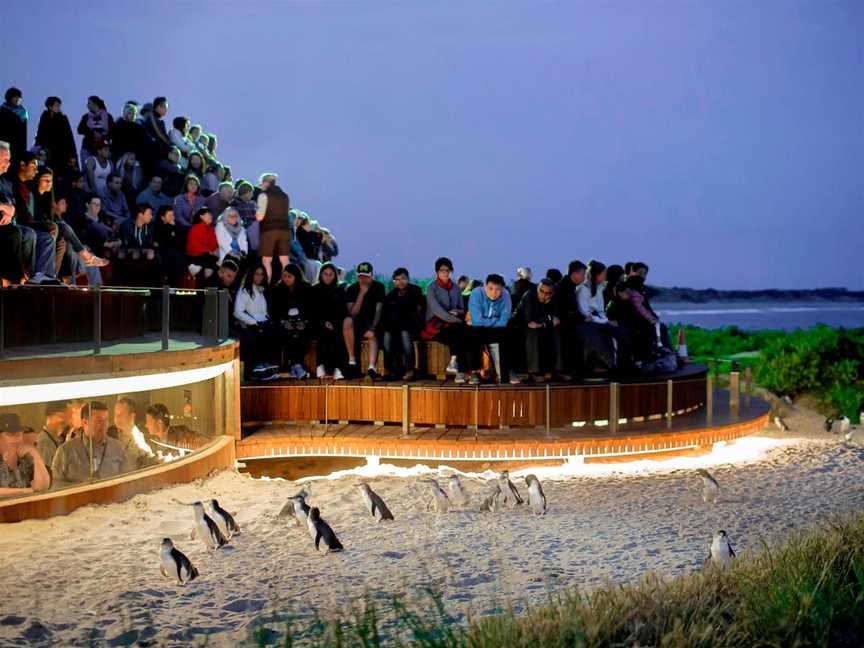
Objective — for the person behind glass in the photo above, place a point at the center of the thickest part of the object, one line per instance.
(166, 439)
(274, 223)
(489, 309)
(127, 432)
(95, 125)
(188, 203)
(231, 235)
(445, 317)
(363, 299)
(54, 133)
(289, 310)
(22, 470)
(53, 431)
(73, 419)
(539, 328)
(136, 235)
(170, 244)
(402, 319)
(327, 300)
(91, 454)
(258, 343)
(202, 248)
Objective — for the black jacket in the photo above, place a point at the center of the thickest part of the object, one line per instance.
(55, 134)
(404, 311)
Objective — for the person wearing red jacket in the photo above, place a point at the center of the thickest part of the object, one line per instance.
(202, 248)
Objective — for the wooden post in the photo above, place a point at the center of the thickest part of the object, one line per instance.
(97, 322)
(613, 407)
(476, 408)
(548, 413)
(166, 315)
(748, 386)
(709, 399)
(734, 392)
(326, 408)
(405, 405)
(670, 393)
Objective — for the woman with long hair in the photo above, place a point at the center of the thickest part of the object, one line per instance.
(94, 125)
(187, 203)
(257, 339)
(202, 248)
(289, 310)
(327, 299)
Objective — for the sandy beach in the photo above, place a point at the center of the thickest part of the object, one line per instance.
(92, 577)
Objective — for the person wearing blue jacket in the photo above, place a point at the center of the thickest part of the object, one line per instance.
(489, 310)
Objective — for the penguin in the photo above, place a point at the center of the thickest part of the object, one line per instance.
(829, 425)
(536, 497)
(710, 487)
(374, 504)
(440, 501)
(781, 424)
(457, 494)
(207, 529)
(492, 503)
(508, 490)
(845, 425)
(299, 508)
(721, 553)
(321, 533)
(175, 564)
(227, 525)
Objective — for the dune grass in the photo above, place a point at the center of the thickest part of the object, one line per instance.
(807, 592)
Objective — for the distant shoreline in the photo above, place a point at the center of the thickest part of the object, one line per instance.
(697, 296)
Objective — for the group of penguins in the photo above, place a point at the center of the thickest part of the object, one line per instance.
(216, 528)
(846, 428)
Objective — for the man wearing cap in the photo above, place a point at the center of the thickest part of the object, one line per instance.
(51, 436)
(91, 454)
(275, 224)
(364, 299)
(22, 470)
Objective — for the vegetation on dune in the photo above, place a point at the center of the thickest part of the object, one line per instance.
(808, 592)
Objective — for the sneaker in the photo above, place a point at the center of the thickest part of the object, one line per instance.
(515, 379)
(269, 366)
(409, 376)
(260, 368)
(452, 367)
(337, 374)
(91, 260)
(459, 379)
(299, 372)
(194, 269)
(372, 374)
(273, 375)
(320, 372)
(474, 379)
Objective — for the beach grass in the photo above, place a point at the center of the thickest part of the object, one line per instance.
(808, 591)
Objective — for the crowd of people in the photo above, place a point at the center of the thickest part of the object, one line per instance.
(142, 192)
(80, 441)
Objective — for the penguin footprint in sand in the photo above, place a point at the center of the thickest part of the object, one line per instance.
(321, 533)
(373, 503)
(207, 529)
(173, 563)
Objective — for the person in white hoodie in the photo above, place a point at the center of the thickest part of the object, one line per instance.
(231, 235)
(257, 333)
(589, 294)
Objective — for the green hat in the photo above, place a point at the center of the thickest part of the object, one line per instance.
(364, 269)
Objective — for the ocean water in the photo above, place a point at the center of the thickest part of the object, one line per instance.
(763, 315)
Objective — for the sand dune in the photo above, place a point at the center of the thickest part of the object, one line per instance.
(93, 576)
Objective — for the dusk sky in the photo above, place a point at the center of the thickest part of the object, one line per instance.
(721, 142)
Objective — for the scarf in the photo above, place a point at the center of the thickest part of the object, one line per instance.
(98, 121)
(19, 111)
(233, 230)
(446, 286)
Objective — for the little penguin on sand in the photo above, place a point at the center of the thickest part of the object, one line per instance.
(321, 533)
(781, 424)
(710, 487)
(536, 497)
(373, 503)
(457, 493)
(440, 502)
(299, 508)
(173, 563)
(721, 553)
(227, 525)
(207, 529)
(493, 502)
(509, 494)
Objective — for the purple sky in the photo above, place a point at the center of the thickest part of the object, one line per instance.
(722, 142)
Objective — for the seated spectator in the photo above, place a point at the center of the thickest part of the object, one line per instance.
(289, 310)
(77, 257)
(231, 236)
(571, 318)
(489, 309)
(138, 453)
(226, 174)
(214, 175)
(203, 144)
(536, 319)
(258, 342)
(226, 279)
(91, 454)
(212, 141)
(463, 282)
(53, 432)
(202, 248)
(13, 122)
(614, 274)
(127, 135)
(187, 204)
(38, 243)
(194, 133)
(73, 419)
(466, 293)
(54, 134)
(327, 300)
(22, 470)
(589, 295)
(217, 202)
(154, 196)
(644, 326)
(522, 285)
(178, 135)
(95, 125)
(403, 317)
(98, 234)
(554, 275)
(136, 234)
(170, 245)
(364, 300)
(445, 317)
(72, 188)
(329, 247)
(168, 440)
(114, 201)
(172, 173)
(131, 175)
(158, 143)
(246, 207)
(639, 269)
(195, 166)
(43, 219)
